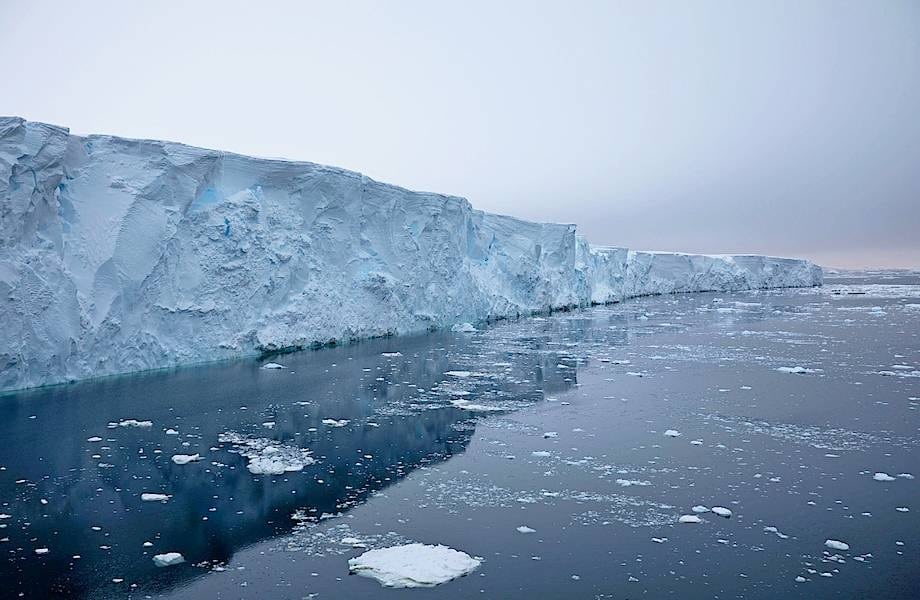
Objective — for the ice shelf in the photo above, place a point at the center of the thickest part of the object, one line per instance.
(120, 255)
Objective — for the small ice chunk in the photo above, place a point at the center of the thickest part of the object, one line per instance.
(905, 476)
(550, 434)
(722, 511)
(335, 422)
(672, 433)
(390, 354)
(689, 519)
(836, 545)
(171, 432)
(463, 328)
(458, 374)
(700, 509)
(799, 579)
(540, 453)
(168, 559)
(526, 529)
(149, 497)
(135, 423)
(41, 551)
(184, 459)
(632, 482)
(95, 438)
(272, 365)
(882, 477)
(413, 565)
(796, 370)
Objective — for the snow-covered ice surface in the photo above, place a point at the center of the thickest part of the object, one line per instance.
(413, 565)
(122, 255)
(793, 457)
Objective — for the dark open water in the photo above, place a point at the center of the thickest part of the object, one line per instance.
(792, 455)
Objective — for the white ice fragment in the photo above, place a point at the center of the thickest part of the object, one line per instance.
(463, 404)
(413, 565)
(550, 434)
(525, 529)
(94, 439)
(672, 433)
(335, 422)
(797, 370)
(463, 328)
(700, 509)
(632, 482)
(540, 453)
(184, 459)
(41, 551)
(272, 366)
(689, 519)
(390, 354)
(882, 477)
(151, 497)
(836, 545)
(722, 511)
(458, 374)
(168, 559)
(134, 423)
(905, 476)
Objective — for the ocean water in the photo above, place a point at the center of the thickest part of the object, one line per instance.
(787, 403)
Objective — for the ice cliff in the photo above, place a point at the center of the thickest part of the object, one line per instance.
(119, 255)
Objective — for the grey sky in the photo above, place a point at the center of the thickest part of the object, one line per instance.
(788, 128)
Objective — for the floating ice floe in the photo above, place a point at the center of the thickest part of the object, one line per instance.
(413, 565)
(540, 454)
(883, 477)
(335, 422)
(836, 545)
(672, 433)
(463, 328)
(722, 511)
(41, 551)
(632, 482)
(797, 370)
(458, 374)
(94, 439)
(550, 434)
(150, 497)
(134, 423)
(525, 529)
(168, 559)
(268, 457)
(184, 459)
(390, 354)
(272, 365)
(700, 509)
(467, 405)
(689, 519)
(905, 476)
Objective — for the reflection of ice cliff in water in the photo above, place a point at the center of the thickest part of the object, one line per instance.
(93, 471)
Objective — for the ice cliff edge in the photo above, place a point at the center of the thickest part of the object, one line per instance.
(120, 255)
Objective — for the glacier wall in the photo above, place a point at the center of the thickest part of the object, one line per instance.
(120, 255)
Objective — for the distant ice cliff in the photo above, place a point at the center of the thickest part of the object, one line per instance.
(119, 255)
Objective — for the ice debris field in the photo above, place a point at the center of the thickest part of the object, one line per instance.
(120, 255)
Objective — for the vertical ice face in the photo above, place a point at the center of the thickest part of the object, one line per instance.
(119, 255)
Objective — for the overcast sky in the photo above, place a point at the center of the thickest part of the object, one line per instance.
(789, 128)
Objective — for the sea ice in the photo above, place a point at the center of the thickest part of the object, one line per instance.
(413, 565)
(525, 529)
(272, 365)
(335, 422)
(883, 477)
(689, 519)
(672, 433)
(168, 559)
(722, 511)
(184, 459)
(150, 497)
(836, 545)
